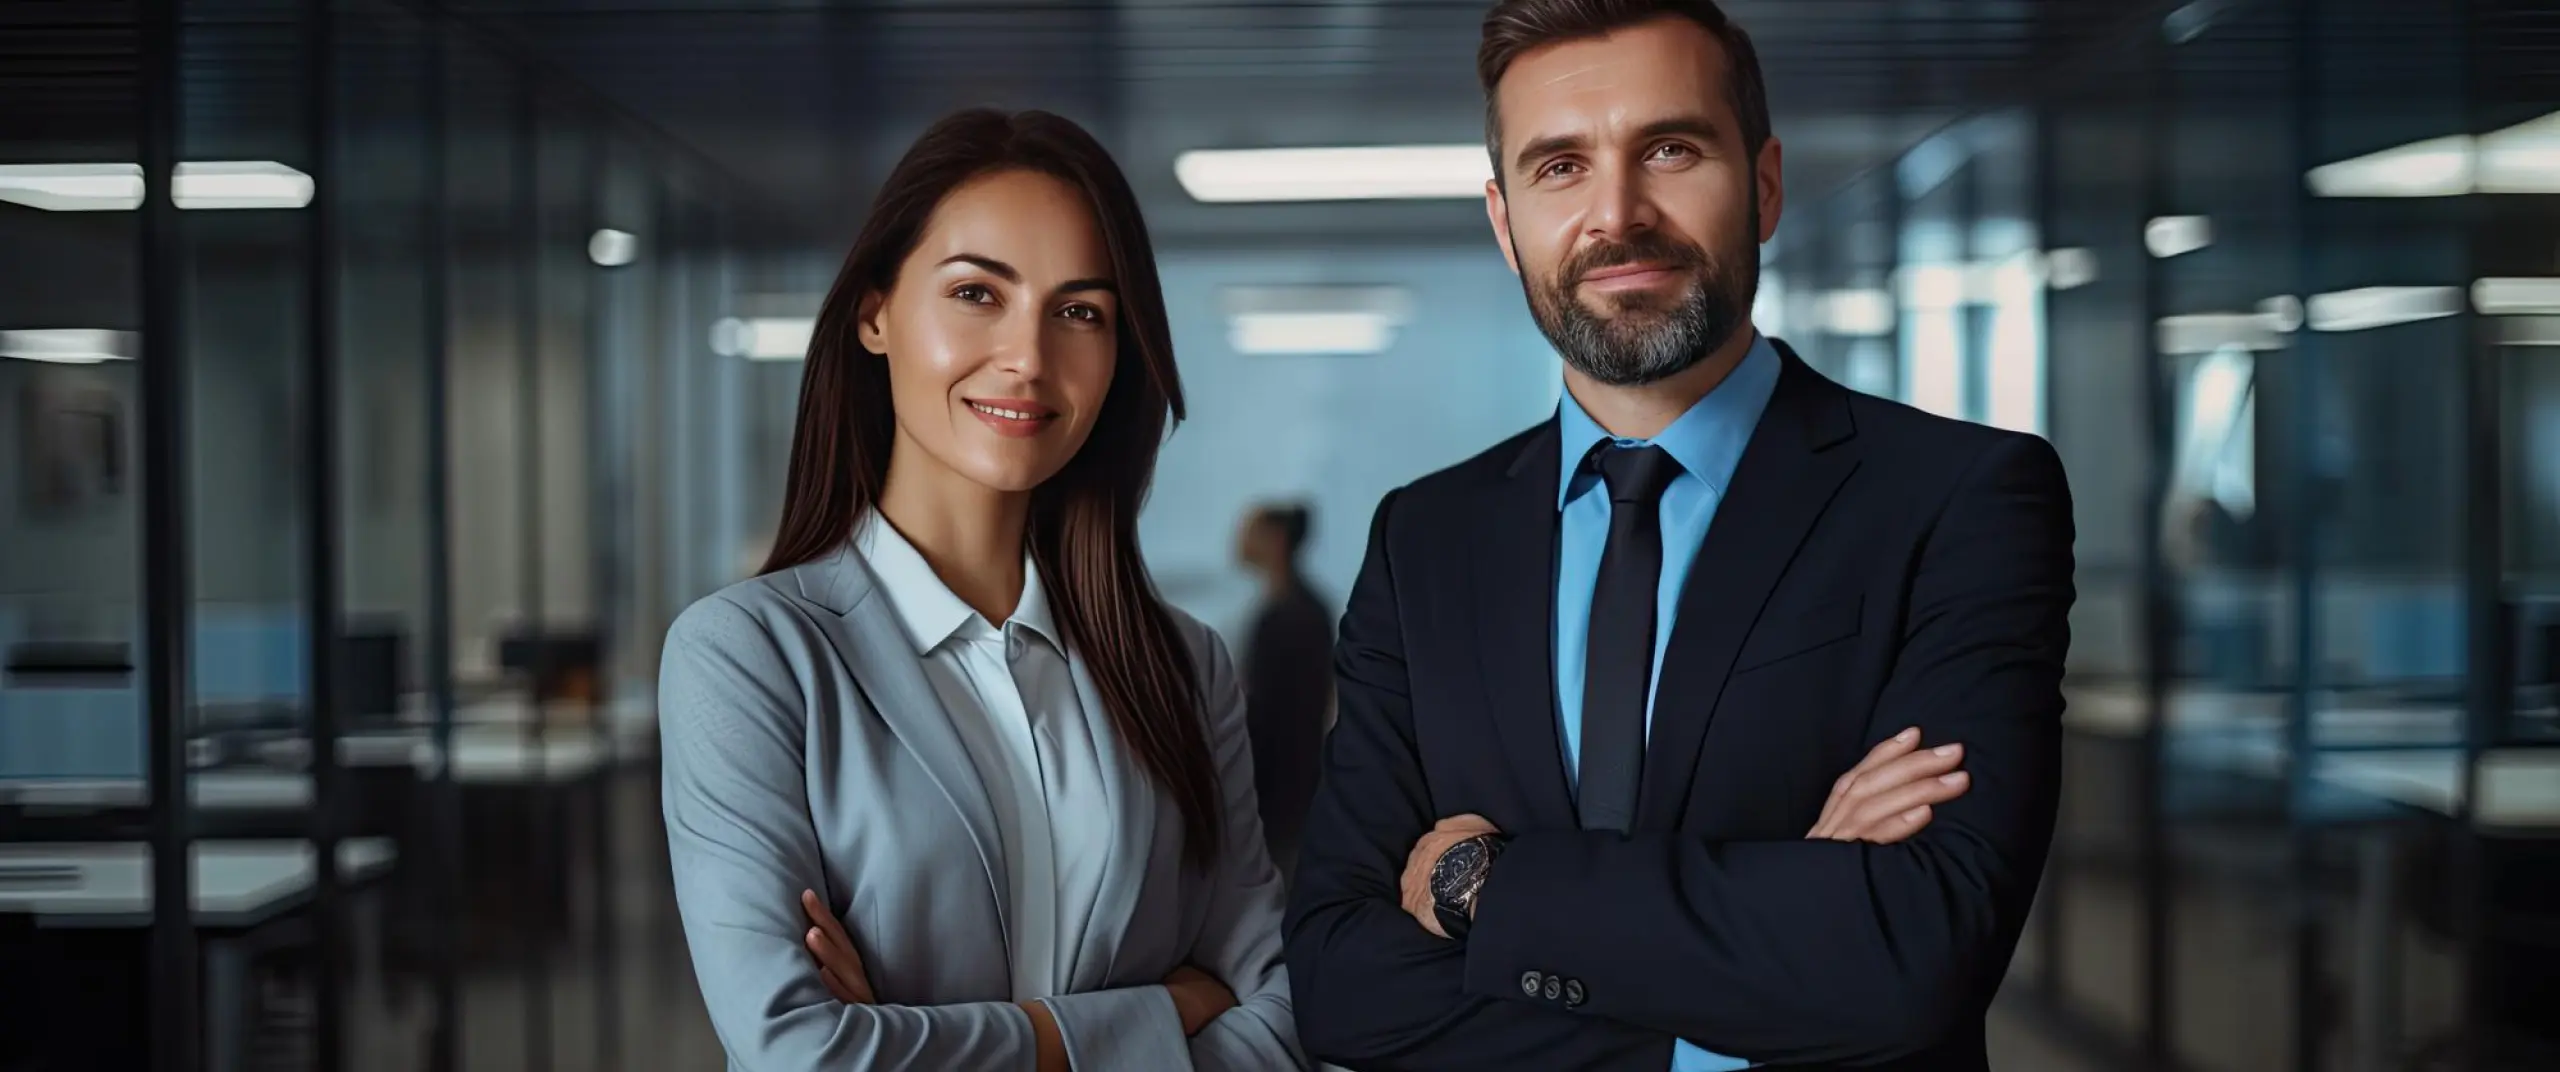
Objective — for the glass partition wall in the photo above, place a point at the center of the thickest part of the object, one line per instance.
(327, 330)
(2299, 382)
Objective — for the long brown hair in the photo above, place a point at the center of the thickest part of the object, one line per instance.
(1083, 527)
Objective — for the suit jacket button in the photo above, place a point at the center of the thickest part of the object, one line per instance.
(1573, 994)
(1553, 988)
(1530, 983)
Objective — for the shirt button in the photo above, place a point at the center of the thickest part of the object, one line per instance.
(1531, 983)
(1553, 989)
(1573, 994)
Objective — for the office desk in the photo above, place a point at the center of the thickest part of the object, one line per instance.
(213, 790)
(2393, 753)
(91, 903)
(238, 884)
(2399, 754)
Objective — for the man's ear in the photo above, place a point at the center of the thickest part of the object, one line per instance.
(1498, 212)
(1770, 170)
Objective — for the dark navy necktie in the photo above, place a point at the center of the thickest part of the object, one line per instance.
(1618, 653)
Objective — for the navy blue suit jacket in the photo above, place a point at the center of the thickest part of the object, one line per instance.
(1872, 567)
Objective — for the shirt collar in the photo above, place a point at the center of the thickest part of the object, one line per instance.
(926, 607)
(1707, 440)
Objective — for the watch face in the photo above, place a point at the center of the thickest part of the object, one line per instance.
(1456, 867)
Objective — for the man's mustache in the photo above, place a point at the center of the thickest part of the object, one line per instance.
(1653, 248)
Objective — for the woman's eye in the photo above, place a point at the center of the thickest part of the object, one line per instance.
(973, 293)
(1086, 313)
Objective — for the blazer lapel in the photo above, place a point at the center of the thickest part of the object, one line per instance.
(1797, 458)
(884, 666)
(1133, 839)
(1512, 580)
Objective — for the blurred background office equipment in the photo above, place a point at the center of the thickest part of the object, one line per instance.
(351, 484)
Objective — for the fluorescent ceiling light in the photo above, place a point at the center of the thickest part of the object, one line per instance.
(68, 346)
(1384, 300)
(1364, 173)
(2282, 313)
(2374, 307)
(2521, 159)
(2205, 333)
(1947, 286)
(212, 184)
(1310, 333)
(610, 248)
(72, 187)
(1933, 286)
(2515, 296)
(1320, 319)
(1858, 312)
(2436, 167)
(2169, 236)
(763, 338)
(242, 184)
(2070, 267)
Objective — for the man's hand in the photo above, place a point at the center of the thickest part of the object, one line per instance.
(1426, 855)
(1887, 797)
(838, 964)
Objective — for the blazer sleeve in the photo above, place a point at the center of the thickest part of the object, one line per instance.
(1375, 990)
(742, 846)
(1827, 952)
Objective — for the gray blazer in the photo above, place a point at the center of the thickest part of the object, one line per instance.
(803, 748)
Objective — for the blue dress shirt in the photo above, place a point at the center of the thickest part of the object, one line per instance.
(1707, 441)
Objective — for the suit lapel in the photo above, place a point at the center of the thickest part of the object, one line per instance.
(884, 666)
(1800, 453)
(1512, 579)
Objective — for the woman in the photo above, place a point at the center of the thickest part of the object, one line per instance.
(948, 786)
(1288, 674)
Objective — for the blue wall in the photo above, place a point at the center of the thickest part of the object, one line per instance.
(1467, 370)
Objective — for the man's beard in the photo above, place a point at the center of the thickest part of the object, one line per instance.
(1648, 337)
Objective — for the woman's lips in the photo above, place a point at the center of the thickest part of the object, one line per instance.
(1015, 417)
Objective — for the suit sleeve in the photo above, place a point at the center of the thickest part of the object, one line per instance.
(1831, 952)
(741, 845)
(1375, 990)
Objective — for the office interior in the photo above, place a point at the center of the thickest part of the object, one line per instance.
(352, 484)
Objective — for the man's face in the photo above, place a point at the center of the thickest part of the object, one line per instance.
(1627, 202)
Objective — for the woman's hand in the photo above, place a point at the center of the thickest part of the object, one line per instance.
(838, 964)
(1198, 997)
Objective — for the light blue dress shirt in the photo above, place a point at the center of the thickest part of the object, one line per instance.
(1707, 441)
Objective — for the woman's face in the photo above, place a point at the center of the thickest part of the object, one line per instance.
(1001, 331)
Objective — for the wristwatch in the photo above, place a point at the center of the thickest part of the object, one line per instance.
(1458, 876)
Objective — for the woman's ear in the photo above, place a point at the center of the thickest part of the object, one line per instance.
(868, 324)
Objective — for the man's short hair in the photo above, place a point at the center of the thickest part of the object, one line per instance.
(1516, 27)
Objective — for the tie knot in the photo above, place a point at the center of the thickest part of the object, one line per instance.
(1637, 474)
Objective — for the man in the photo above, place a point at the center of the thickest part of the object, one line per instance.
(1583, 804)
(1288, 674)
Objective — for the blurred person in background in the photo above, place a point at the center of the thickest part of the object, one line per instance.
(1288, 673)
(948, 786)
(1584, 805)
